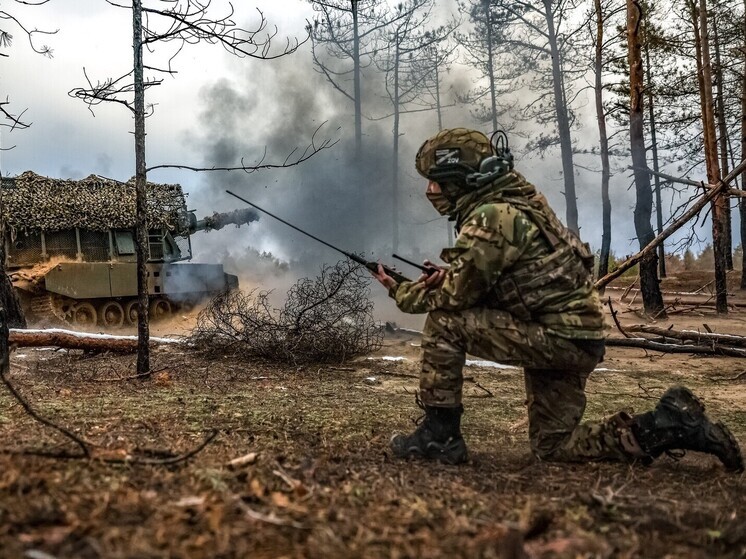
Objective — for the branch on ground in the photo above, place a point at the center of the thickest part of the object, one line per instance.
(662, 344)
(325, 319)
(76, 340)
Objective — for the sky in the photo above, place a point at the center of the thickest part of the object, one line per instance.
(218, 110)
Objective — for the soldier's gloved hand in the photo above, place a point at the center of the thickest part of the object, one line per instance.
(383, 278)
(435, 277)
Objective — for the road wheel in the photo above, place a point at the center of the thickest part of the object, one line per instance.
(112, 314)
(84, 314)
(160, 309)
(130, 312)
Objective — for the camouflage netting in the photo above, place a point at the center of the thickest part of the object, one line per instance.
(32, 202)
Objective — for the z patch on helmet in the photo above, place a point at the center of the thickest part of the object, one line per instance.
(445, 156)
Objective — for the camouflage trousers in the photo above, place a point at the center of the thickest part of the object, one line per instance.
(556, 370)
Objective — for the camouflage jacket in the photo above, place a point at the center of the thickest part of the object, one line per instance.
(513, 254)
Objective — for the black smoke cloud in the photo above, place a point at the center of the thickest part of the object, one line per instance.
(272, 112)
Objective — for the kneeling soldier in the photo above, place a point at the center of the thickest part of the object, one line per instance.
(519, 290)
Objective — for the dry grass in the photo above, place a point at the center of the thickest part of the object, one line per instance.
(324, 484)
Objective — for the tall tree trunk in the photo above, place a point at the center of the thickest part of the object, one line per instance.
(603, 264)
(395, 158)
(490, 66)
(4, 346)
(437, 95)
(8, 298)
(449, 229)
(654, 148)
(719, 204)
(141, 230)
(563, 123)
(742, 201)
(356, 80)
(649, 285)
(723, 141)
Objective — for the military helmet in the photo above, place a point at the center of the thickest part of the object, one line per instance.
(451, 146)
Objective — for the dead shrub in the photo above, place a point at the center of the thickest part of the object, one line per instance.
(325, 319)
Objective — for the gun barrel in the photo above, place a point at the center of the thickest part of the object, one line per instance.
(372, 266)
(423, 268)
(220, 220)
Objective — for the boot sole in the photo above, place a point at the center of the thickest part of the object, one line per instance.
(696, 407)
(738, 465)
(434, 451)
(437, 456)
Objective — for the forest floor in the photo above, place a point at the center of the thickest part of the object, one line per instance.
(323, 483)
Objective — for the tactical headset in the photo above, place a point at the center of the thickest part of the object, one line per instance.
(456, 178)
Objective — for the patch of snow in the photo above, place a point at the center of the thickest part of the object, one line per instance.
(492, 364)
(390, 358)
(410, 330)
(92, 335)
(607, 370)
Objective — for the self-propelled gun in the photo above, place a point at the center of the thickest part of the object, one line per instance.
(70, 249)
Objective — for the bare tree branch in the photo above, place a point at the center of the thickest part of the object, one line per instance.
(310, 150)
(711, 193)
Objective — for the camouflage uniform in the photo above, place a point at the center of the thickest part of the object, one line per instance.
(518, 290)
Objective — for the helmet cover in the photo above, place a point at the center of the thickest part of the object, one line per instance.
(453, 146)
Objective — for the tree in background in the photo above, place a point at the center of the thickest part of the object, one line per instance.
(742, 202)
(719, 205)
(542, 44)
(181, 22)
(602, 11)
(483, 48)
(10, 121)
(406, 64)
(345, 37)
(649, 284)
(435, 60)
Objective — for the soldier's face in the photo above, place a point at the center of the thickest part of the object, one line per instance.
(433, 188)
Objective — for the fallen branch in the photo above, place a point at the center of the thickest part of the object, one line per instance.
(616, 320)
(488, 393)
(728, 379)
(4, 369)
(645, 343)
(711, 193)
(270, 518)
(69, 339)
(698, 337)
(164, 461)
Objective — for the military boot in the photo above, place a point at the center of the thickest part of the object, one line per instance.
(437, 437)
(679, 422)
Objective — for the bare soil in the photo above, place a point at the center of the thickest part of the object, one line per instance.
(324, 485)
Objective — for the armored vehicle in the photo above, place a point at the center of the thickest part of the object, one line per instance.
(70, 250)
